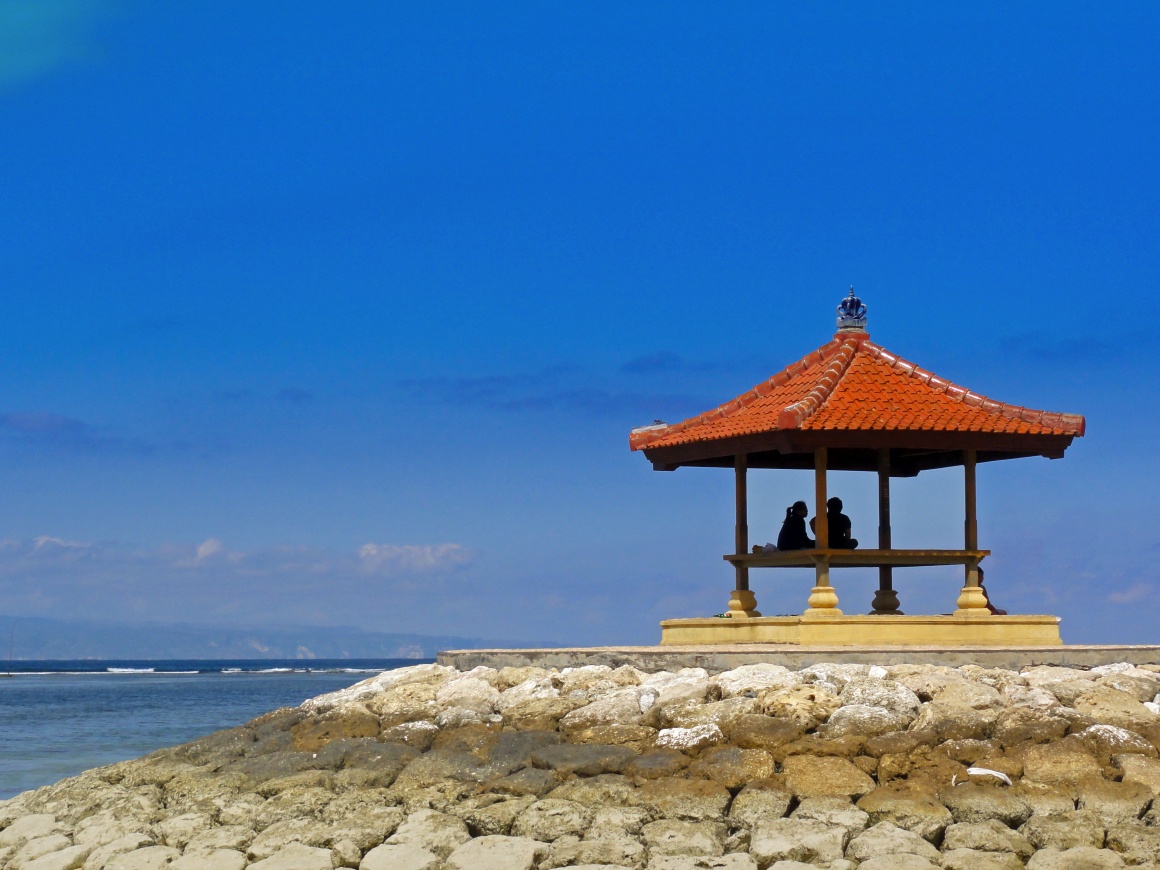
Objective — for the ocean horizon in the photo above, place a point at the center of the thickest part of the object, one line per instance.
(60, 717)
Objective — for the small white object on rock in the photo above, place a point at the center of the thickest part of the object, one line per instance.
(984, 771)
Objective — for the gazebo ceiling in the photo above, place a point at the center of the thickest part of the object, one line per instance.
(856, 398)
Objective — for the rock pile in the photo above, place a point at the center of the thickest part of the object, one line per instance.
(837, 766)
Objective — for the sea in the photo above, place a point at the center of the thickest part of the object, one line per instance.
(59, 718)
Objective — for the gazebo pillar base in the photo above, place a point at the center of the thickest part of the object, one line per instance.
(972, 603)
(885, 603)
(877, 631)
(743, 604)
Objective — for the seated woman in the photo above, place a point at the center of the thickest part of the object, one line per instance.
(839, 526)
(793, 529)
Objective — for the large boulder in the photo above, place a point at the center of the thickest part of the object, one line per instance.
(808, 705)
(804, 840)
(809, 776)
(886, 839)
(549, 819)
(752, 679)
(907, 807)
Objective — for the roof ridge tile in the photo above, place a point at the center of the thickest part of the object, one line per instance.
(794, 415)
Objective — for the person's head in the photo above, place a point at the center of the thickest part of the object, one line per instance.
(800, 509)
(834, 505)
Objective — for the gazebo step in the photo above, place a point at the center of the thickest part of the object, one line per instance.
(846, 630)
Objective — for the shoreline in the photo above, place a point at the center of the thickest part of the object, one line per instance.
(838, 765)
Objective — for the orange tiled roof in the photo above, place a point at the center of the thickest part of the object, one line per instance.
(852, 384)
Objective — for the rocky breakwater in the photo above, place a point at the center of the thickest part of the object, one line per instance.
(838, 766)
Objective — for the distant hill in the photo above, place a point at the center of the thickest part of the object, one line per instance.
(37, 638)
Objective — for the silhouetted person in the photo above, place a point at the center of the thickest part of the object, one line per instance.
(839, 525)
(995, 611)
(793, 529)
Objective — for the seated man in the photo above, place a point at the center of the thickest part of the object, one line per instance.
(839, 525)
(995, 611)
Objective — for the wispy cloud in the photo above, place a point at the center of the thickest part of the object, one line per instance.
(562, 390)
(56, 431)
(1136, 592)
(39, 36)
(210, 580)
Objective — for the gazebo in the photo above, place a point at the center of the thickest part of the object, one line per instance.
(852, 405)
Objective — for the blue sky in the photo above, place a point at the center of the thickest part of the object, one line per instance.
(341, 313)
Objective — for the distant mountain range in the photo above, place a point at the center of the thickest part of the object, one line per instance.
(25, 638)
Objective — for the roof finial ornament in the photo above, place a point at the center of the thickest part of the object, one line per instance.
(851, 314)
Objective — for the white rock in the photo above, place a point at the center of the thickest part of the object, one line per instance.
(497, 853)
(733, 861)
(149, 858)
(687, 684)
(877, 672)
(803, 840)
(468, 692)
(102, 855)
(536, 689)
(69, 858)
(883, 693)
(379, 685)
(885, 839)
(690, 739)
(751, 679)
(835, 673)
(28, 828)
(297, 857)
(219, 859)
(34, 848)
(401, 856)
(1085, 857)
(1114, 668)
(436, 832)
(863, 720)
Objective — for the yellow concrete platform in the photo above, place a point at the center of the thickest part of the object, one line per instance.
(842, 630)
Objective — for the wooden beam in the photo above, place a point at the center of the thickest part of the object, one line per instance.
(741, 529)
(971, 524)
(885, 577)
(821, 522)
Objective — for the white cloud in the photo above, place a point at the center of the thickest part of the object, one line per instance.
(411, 559)
(1137, 592)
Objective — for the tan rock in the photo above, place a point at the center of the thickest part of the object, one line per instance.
(909, 808)
(989, 836)
(68, 858)
(733, 767)
(756, 731)
(683, 799)
(606, 790)
(149, 858)
(834, 812)
(433, 831)
(1137, 844)
(760, 800)
(296, 857)
(102, 854)
(970, 859)
(508, 677)
(1112, 707)
(808, 776)
(1138, 768)
(657, 763)
(1114, 802)
(497, 853)
(400, 856)
(1017, 725)
(950, 720)
(491, 814)
(1067, 760)
(886, 839)
(605, 851)
(674, 837)
(803, 840)
(808, 705)
(540, 714)
(549, 819)
(724, 714)
(219, 859)
(975, 802)
(1079, 828)
(1085, 857)
(690, 740)
(27, 828)
(755, 678)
